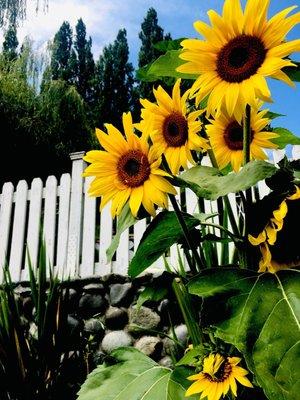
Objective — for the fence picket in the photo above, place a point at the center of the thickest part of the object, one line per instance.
(34, 222)
(88, 235)
(105, 238)
(18, 232)
(122, 261)
(49, 224)
(5, 221)
(63, 224)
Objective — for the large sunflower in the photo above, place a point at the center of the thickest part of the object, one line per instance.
(226, 138)
(240, 50)
(219, 374)
(173, 130)
(127, 170)
(277, 241)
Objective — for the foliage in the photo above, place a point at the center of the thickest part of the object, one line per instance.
(251, 319)
(32, 365)
(134, 376)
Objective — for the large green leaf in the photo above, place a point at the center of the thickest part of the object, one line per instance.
(285, 137)
(125, 221)
(260, 316)
(163, 231)
(208, 182)
(293, 72)
(134, 376)
(164, 66)
(166, 45)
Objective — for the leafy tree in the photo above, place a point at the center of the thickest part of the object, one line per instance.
(84, 64)
(114, 81)
(10, 44)
(150, 34)
(60, 64)
(14, 10)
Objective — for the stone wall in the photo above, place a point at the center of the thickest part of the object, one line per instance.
(102, 313)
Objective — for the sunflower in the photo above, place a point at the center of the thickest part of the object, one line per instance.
(226, 138)
(127, 170)
(219, 374)
(240, 50)
(278, 245)
(173, 130)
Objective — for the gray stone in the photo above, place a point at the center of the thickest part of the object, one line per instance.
(91, 304)
(168, 346)
(143, 317)
(33, 331)
(166, 362)
(27, 304)
(115, 339)
(114, 278)
(181, 333)
(94, 288)
(121, 294)
(116, 318)
(150, 345)
(94, 326)
(23, 291)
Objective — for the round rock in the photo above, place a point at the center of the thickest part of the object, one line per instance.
(116, 318)
(143, 317)
(121, 294)
(115, 339)
(94, 326)
(91, 304)
(150, 345)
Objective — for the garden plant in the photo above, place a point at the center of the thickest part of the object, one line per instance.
(240, 292)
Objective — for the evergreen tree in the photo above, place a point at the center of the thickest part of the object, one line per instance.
(85, 65)
(150, 34)
(114, 82)
(60, 64)
(10, 44)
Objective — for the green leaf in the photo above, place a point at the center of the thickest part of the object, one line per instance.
(153, 293)
(260, 315)
(285, 137)
(134, 376)
(159, 236)
(192, 356)
(167, 45)
(207, 182)
(125, 220)
(164, 66)
(272, 115)
(293, 72)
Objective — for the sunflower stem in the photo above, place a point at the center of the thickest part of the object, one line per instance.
(246, 152)
(187, 238)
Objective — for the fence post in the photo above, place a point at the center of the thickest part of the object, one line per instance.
(75, 221)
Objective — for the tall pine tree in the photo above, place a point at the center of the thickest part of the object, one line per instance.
(150, 34)
(85, 65)
(10, 44)
(114, 81)
(60, 65)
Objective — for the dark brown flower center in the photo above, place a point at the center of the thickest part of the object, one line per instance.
(233, 136)
(240, 58)
(222, 374)
(133, 168)
(175, 130)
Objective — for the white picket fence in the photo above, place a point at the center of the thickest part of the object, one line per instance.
(75, 234)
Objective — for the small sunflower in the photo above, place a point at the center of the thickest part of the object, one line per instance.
(240, 50)
(226, 138)
(278, 244)
(219, 374)
(173, 130)
(127, 170)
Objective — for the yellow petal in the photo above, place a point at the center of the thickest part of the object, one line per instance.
(135, 200)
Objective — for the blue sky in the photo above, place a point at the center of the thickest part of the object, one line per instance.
(104, 18)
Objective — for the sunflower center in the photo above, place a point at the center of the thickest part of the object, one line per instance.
(233, 136)
(222, 374)
(133, 168)
(240, 58)
(175, 130)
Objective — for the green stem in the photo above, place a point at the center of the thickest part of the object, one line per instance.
(226, 199)
(187, 237)
(188, 312)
